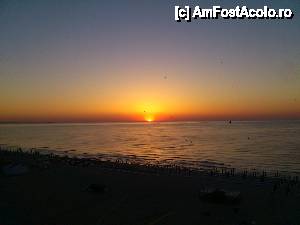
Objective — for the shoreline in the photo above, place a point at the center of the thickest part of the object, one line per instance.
(53, 189)
(127, 163)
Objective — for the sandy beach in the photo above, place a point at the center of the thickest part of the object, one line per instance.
(43, 189)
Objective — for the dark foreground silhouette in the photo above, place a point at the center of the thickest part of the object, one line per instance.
(46, 189)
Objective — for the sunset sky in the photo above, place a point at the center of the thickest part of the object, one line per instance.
(64, 61)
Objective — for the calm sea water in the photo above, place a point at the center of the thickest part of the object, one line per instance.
(245, 145)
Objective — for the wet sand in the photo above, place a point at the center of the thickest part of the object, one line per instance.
(61, 191)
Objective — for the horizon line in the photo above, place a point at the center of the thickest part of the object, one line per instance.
(156, 121)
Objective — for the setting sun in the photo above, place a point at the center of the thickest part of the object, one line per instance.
(149, 118)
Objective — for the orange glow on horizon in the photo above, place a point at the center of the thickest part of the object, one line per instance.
(149, 118)
(147, 106)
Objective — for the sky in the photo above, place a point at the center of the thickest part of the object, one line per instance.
(129, 60)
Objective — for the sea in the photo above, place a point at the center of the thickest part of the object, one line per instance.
(245, 145)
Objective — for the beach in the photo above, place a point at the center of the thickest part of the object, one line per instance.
(48, 189)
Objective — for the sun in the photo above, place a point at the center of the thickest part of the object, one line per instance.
(149, 118)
